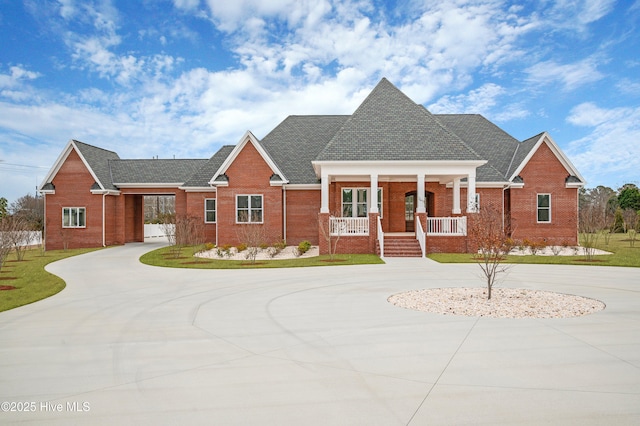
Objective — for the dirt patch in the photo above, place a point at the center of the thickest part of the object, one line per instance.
(7, 278)
(590, 261)
(7, 287)
(333, 260)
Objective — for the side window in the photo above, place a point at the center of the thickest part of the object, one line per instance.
(356, 202)
(210, 210)
(249, 209)
(74, 217)
(544, 208)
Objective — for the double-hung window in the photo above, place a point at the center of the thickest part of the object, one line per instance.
(210, 210)
(74, 217)
(249, 209)
(356, 202)
(544, 208)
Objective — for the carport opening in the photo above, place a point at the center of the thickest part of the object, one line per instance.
(157, 210)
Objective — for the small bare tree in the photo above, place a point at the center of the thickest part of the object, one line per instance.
(21, 234)
(630, 217)
(331, 234)
(6, 242)
(253, 235)
(590, 221)
(487, 232)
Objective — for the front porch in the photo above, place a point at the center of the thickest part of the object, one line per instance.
(416, 243)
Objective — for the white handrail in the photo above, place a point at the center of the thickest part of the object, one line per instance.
(349, 226)
(447, 226)
(380, 238)
(421, 237)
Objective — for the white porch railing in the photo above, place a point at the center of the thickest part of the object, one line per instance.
(349, 226)
(380, 238)
(447, 226)
(421, 236)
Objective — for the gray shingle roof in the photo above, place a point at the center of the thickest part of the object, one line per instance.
(98, 160)
(524, 148)
(488, 140)
(206, 171)
(390, 126)
(154, 171)
(297, 141)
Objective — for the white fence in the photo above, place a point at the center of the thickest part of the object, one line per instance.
(153, 230)
(34, 239)
(447, 226)
(349, 226)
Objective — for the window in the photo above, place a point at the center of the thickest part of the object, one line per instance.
(355, 202)
(210, 210)
(74, 217)
(248, 208)
(544, 208)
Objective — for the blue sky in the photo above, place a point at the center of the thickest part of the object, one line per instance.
(182, 77)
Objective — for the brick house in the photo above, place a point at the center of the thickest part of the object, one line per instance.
(391, 172)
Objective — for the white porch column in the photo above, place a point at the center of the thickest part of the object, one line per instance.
(471, 193)
(420, 208)
(374, 194)
(456, 196)
(324, 193)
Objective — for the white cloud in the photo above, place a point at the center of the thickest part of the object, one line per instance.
(570, 76)
(610, 152)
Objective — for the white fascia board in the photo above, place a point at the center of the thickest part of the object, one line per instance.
(247, 138)
(106, 191)
(482, 184)
(47, 191)
(60, 161)
(198, 188)
(303, 187)
(545, 137)
(366, 168)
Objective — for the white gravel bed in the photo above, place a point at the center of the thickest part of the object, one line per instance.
(504, 303)
(289, 252)
(556, 251)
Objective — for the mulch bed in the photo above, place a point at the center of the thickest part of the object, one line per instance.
(7, 287)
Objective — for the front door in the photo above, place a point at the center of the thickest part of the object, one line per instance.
(409, 210)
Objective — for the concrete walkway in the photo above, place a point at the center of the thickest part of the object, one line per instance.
(126, 343)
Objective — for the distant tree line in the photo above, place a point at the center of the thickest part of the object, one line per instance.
(603, 209)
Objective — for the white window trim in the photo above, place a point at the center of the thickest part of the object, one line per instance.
(249, 221)
(538, 207)
(77, 209)
(215, 210)
(354, 200)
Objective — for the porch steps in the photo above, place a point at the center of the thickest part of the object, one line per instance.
(400, 247)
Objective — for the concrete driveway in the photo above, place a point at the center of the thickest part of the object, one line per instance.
(126, 343)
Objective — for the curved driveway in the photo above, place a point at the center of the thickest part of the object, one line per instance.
(127, 343)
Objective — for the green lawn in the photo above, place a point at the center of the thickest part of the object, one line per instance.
(162, 257)
(623, 255)
(31, 281)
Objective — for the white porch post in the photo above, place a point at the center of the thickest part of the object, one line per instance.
(324, 193)
(471, 193)
(420, 208)
(456, 196)
(374, 194)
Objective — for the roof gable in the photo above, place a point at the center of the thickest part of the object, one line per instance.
(537, 141)
(247, 138)
(388, 126)
(95, 159)
(201, 178)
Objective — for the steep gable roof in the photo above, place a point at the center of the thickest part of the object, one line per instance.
(95, 159)
(248, 138)
(388, 126)
(201, 178)
(536, 142)
(298, 140)
(155, 171)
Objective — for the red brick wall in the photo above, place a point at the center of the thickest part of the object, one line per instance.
(544, 174)
(249, 174)
(73, 184)
(436, 244)
(195, 208)
(302, 216)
